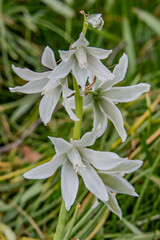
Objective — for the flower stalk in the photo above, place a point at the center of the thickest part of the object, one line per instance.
(61, 222)
(78, 97)
(76, 136)
(66, 237)
(78, 111)
(85, 23)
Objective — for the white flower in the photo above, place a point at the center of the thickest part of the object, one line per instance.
(50, 87)
(76, 159)
(84, 62)
(106, 96)
(95, 21)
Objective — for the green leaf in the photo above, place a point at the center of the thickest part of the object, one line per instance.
(155, 179)
(127, 36)
(149, 19)
(26, 103)
(7, 231)
(34, 190)
(60, 8)
(131, 226)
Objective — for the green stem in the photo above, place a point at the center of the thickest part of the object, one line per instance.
(92, 92)
(61, 222)
(85, 26)
(90, 225)
(72, 224)
(78, 97)
(78, 111)
(82, 221)
(76, 136)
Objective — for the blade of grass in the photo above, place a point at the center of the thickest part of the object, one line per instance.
(27, 216)
(128, 39)
(143, 190)
(149, 19)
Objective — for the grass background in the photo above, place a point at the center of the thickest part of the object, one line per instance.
(29, 209)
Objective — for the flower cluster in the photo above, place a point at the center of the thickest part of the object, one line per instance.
(75, 159)
(105, 97)
(102, 172)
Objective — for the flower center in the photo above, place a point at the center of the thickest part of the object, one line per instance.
(75, 158)
(97, 94)
(81, 57)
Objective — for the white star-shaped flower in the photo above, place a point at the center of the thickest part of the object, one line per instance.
(50, 87)
(84, 62)
(105, 97)
(76, 159)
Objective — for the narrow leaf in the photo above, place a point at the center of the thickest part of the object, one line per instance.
(129, 44)
(60, 8)
(149, 19)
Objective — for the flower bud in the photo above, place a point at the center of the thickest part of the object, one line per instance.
(95, 21)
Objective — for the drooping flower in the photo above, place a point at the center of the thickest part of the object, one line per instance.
(95, 21)
(76, 159)
(105, 97)
(50, 87)
(84, 62)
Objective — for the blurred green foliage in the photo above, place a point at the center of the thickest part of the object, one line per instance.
(29, 209)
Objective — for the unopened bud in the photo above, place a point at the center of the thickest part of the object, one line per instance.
(95, 21)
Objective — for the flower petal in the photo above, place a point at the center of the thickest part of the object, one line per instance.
(119, 73)
(31, 87)
(50, 86)
(118, 184)
(69, 110)
(61, 146)
(114, 114)
(81, 56)
(87, 100)
(93, 182)
(88, 139)
(69, 184)
(82, 41)
(95, 203)
(66, 103)
(127, 166)
(71, 101)
(48, 58)
(98, 69)
(47, 169)
(127, 94)
(62, 69)
(98, 52)
(65, 55)
(29, 75)
(48, 104)
(113, 205)
(120, 69)
(66, 91)
(101, 160)
(100, 121)
(80, 74)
